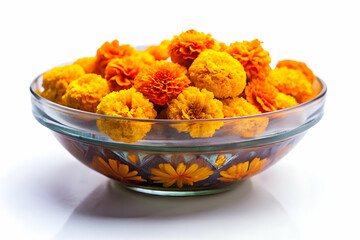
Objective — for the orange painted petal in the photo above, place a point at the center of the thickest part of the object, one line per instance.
(169, 183)
(170, 169)
(179, 182)
(137, 178)
(191, 169)
(123, 170)
(180, 169)
(158, 172)
(131, 174)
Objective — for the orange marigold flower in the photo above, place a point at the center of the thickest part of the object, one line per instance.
(56, 81)
(223, 47)
(160, 52)
(130, 104)
(243, 170)
(238, 107)
(87, 63)
(298, 66)
(121, 72)
(144, 57)
(183, 49)
(110, 51)
(161, 81)
(266, 97)
(219, 73)
(114, 169)
(86, 92)
(194, 104)
(182, 175)
(291, 82)
(253, 57)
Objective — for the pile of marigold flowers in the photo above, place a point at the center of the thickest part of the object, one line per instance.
(190, 77)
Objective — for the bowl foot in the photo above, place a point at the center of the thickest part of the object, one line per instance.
(170, 192)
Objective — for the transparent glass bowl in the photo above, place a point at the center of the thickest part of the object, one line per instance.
(178, 158)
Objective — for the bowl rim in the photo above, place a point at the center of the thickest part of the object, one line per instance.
(47, 102)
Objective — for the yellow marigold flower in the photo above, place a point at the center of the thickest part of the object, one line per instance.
(110, 51)
(291, 82)
(86, 92)
(219, 73)
(56, 81)
(239, 107)
(182, 175)
(192, 104)
(243, 170)
(298, 66)
(162, 81)
(129, 104)
(266, 97)
(183, 49)
(253, 57)
(160, 52)
(87, 63)
(114, 169)
(285, 101)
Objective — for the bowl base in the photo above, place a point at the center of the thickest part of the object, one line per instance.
(173, 193)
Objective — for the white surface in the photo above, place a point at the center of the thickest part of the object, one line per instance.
(313, 193)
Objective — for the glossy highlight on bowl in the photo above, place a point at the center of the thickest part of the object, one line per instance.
(166, 159)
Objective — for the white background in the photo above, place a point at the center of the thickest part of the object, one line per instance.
(313, 193)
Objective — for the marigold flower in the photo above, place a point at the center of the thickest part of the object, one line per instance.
(219, 73)
(121, 72)
(298, 66)
(130, 104)
(239, 107)
(110, 51)
(291, 82)
(243, 170)
(223, 47)
(87, 63)
(86, 92)
(253, 57)
(183, 49)
(266, 97)
(160, 52)
(161, 81)
(182, 175)
(114, 169)
(56, 81)
(194, 104)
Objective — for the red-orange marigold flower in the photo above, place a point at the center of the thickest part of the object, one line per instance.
(161, 81)
(121, 72)
(266, 97)
(183, 49)
(110, 51)
(253, 57)
(298, 66)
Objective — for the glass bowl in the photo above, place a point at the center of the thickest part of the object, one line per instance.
(178, 158)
